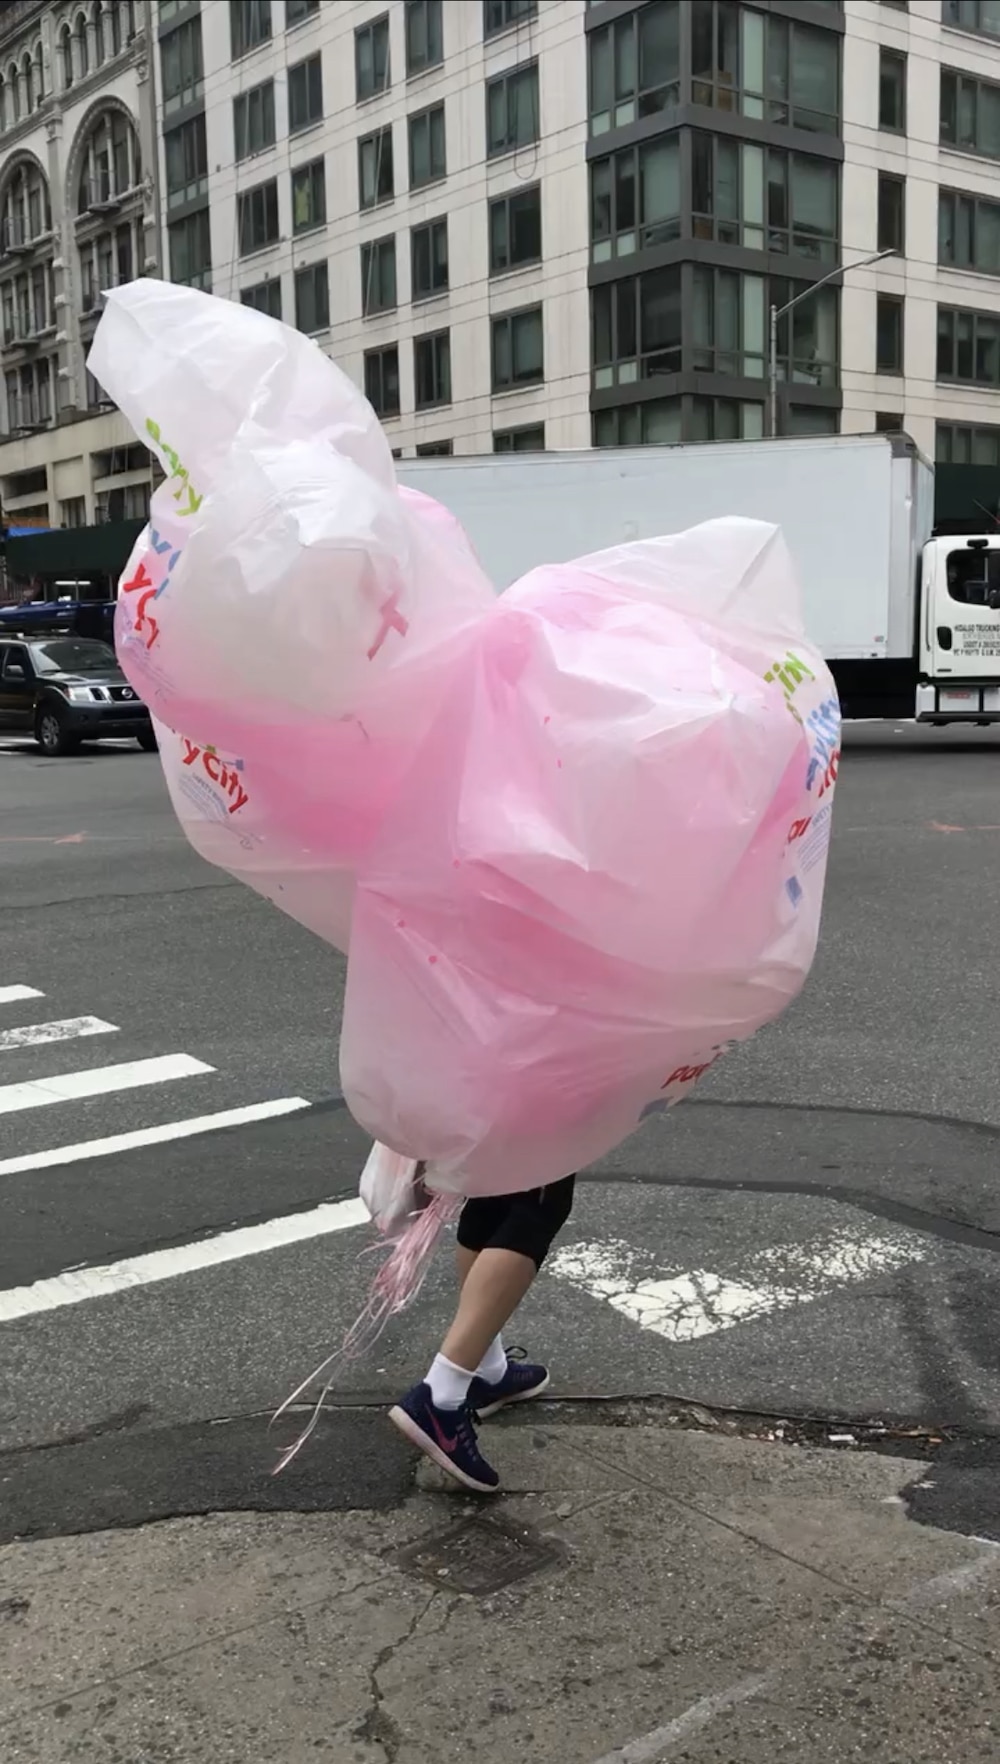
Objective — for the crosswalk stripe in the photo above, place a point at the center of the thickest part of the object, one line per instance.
(65, 1029)
(79, 1284)
(688, 1306)
(99, 1081)
(14, 994)
(142, 1136)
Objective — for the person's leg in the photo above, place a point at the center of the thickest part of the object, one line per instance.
(503, 1241)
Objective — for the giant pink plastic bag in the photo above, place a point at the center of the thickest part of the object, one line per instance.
(607, 866)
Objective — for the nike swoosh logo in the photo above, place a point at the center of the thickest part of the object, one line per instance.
(444, 1442)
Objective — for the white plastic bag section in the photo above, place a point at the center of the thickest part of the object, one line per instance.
(594, 884)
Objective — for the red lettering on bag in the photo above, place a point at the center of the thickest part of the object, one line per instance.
(797, 828)
(139, 580)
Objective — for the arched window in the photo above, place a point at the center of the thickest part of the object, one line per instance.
(39, 72)
(97, 26)
(3, 103)
(28, 85)
(26, 211)
(129, 20)
(116, 30)
(110, 166)
(66, 53)
(82, 51)
(14, 91)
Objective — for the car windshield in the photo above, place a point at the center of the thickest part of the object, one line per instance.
(73, 655)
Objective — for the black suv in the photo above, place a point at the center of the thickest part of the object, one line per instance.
(65, 690)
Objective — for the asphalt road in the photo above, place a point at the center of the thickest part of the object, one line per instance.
(817, 1233)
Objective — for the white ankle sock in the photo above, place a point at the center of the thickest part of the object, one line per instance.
(493, 1364)
(449, 1383)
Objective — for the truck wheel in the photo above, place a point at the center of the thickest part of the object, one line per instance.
(148, 742)
(52, 736)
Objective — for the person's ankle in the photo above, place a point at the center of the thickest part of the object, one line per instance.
(448, 1383)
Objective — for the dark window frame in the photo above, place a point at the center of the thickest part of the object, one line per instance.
(250, 25)
(893, 66)
(189, 140)
(261, 297)
(628, 41)
(778, 228)
(958, 318)
(311, 67)
(620, 313)
(377, 139)
(511, 82)
(505, 205)
(375, 32)
(615, 418)
(426, 120)
(965, 219)
(190, 225)
(504, 324)
(949, 429)
(423, 30)
(376, 255)
(319, 216)
(891, 226)
(623, 174)
(381, 365)
(433, 230)
(310, 9)
(242, 106)
(506, 440)
(958, 15)
(890, 364)
(313, 276)
(265, 196)
(434, 449)
(968, 92)
(434, 348)
(719, 78)
(503, 15)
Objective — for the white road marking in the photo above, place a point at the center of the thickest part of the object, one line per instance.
(14, 994)
(654, 1745)
(688, 1306)
(66, 1029)
(142, 1136)
(79, 1284)
(99, 1081)
(955, 1581)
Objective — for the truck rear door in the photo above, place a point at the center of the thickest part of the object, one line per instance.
(962, 610)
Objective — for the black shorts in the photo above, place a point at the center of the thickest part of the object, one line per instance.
(525, 1223)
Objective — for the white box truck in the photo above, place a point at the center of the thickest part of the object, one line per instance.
(908, 621)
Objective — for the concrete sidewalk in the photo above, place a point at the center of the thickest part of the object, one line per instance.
(638, 1594)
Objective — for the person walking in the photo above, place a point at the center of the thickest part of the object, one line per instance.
(502, 1242)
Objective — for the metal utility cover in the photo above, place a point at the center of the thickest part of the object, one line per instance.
(477, 1556)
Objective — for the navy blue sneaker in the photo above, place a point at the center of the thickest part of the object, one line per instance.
(447, 1437)
(519, 1384)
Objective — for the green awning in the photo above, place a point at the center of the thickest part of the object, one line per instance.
(70, 552)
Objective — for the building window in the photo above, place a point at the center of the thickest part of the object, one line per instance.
(655, 422)
(502, 15)
(264, 297)
(515, 230)
(968, 346)
(190, 251)
(808, 338)
(187, 162)
(312, 298)
(635, 199)
(636, 328)
(434, 449)
(963, 444)
(253, 120)
(371, 58)
(968, 232)
(764, 198)
(529, 438)
(726, 419)
(432, 370)
(970, 114)
(888, 422)
(512, 110)
(249, 25)
(429, 260)
(981, 16)
(182, 70)
(305, 94)
(257, 217)
(891, 212)
(517, 349)
(376, 182)
(427, 147)
(888, 334)
(297, 11)
(382, 380)
(762, 66)
(378, 276)
(892, 91)
(424, 36)
(811, 419)
(308, 196)
(634, 65)
(73, 512)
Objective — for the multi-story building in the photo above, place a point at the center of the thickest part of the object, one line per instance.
(77, 215)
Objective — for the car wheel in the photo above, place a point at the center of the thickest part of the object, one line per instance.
(147, 741)
(52, 736)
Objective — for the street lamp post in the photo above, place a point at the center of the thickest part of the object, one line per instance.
(778, 312)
